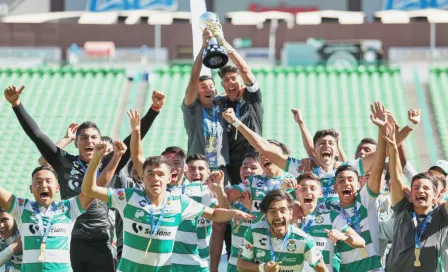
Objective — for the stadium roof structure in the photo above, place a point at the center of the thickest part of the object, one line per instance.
(404, 17)
(82, 17)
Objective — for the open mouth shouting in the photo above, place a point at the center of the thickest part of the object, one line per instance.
(308, 200)
(44, 195)
(89, 150)
(326, 155)
(421, 198)
(279, 226)
(347, 192)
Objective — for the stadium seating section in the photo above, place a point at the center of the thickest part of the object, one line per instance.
(328, 97)
(438, 89)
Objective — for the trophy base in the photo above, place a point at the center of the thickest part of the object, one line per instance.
(215, 61)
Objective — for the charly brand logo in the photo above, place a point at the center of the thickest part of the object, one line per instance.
(142, 203)
(263, 241)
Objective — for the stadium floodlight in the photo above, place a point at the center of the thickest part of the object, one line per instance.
(393, 17)
(99, 18)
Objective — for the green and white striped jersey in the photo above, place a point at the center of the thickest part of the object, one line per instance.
(191, 248)
(11, 261)
(298, 249)
(57, 252)
(134, 209)
(237, 238)
(259, 186)
(323, 221)
(351, 258)
(294, 167)
(177, 190)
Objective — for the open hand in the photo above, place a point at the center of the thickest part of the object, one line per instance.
(12, 95)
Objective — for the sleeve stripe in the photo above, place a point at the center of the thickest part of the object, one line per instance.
(79, 205)
(109, 198)
(13, 202)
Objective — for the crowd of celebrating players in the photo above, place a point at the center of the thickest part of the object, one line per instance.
(273, 212)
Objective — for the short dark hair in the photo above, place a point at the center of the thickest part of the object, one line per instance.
(346, 167)
(325, 132)
(284, 148)
(197, 157)
(438, 169)
(434, 181)
(307, 176)
(86, 125)
(252, 155)
(367, 141)
(107, 139)
(176, 150)
(227, 69)
(41, 168)
(157, 161)
(276, 195)
(206, 77)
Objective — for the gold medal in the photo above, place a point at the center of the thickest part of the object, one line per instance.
(147, 247)
(238, 225)
(417, 262)
(210, 144)
(42, 252)
(364, 253)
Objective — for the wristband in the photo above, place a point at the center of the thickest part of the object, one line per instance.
(237, 123)
(411, 125)
(261, 267)
(155, 108)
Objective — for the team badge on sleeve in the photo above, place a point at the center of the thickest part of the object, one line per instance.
(120, 194)
(21, 201)
(291, 247)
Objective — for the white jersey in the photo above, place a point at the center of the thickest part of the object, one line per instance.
(351, 258)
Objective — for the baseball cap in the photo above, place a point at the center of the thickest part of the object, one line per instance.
(442, 165)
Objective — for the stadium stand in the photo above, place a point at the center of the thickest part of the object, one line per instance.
(438, 80)
(54, 98)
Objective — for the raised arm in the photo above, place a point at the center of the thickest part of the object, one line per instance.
(396, 183)
(158, 100)
(414, 117)
(349, 236)
(260, 144)
(216, 185)
(70, 136)
(5, 199)
(239, 62)
(136, 143)
(193, 85)
(89, 186)
(378, 117)
(224, 215)
(108, 173)
(307, 139)
(46, 147)
(342, 156)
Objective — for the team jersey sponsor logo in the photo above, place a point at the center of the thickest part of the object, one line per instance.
(203, 221)
(320, 244)
(286, 270)
(291, 246)
(120, 194)
(168, 220)
(315, 231)
(259, 193)
(289, 260)
(319, 219)
(33, 228)
(58, 230)
(141, 229)
(257, 205)
(259, 256)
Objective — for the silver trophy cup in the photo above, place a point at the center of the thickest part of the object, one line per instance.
(214, 55)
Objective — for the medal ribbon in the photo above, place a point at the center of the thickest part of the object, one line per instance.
(271, 249)
(355, 225)
(327, 188)
(426, 221)
(213, 131)
(44, 231)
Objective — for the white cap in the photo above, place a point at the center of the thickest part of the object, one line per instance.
(442, 165)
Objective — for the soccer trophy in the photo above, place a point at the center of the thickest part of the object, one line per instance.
(214, 55)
